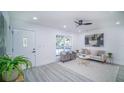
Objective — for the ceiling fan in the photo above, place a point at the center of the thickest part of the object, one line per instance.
(81, 22)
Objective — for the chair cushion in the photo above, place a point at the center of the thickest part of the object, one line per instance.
(63, 53)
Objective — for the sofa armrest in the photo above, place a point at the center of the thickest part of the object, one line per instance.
(103, 57)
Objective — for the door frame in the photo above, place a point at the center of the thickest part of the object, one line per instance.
(27, 30)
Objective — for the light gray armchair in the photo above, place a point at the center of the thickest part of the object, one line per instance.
(73, 55)
(66, 56)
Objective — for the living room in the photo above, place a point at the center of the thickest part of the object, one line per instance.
(39, 31)
(61, 46)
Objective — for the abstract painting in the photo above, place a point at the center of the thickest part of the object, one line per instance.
(94, 40)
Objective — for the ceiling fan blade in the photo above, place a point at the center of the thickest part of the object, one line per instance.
(87, 23)
(79, 25)
(76, 22)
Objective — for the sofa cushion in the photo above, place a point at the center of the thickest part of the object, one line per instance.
(100, 53)
(96, 57)
(93, 52)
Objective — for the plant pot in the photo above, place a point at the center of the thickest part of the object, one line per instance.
(1, 79)
(14, 75)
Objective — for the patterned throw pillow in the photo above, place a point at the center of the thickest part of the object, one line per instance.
(84, 51)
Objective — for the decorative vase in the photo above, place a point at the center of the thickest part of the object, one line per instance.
(12, 77)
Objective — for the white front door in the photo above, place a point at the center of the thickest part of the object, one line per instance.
(24, 44)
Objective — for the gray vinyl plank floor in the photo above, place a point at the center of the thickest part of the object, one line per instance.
(53, 73)
(120, 76)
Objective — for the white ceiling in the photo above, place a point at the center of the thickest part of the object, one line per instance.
(57, 19)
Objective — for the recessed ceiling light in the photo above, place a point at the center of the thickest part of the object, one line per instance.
(64, 26)
(117, 22)
(34, 18)
(79, 30)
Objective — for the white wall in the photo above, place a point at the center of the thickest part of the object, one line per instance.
(113, 42)
(8, 37)
(46, 44)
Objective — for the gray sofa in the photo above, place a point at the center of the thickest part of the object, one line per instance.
(67, 56)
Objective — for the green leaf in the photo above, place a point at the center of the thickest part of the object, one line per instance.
(8, 64)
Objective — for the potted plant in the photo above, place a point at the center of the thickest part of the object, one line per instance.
(11, 67)
(110, 55)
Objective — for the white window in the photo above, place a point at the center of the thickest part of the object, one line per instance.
(63, 43)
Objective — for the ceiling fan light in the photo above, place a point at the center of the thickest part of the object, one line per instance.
(64, 26)
(79, 31)
(118, 22)
(35, 18)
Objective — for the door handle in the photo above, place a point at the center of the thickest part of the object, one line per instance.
(34, 51)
